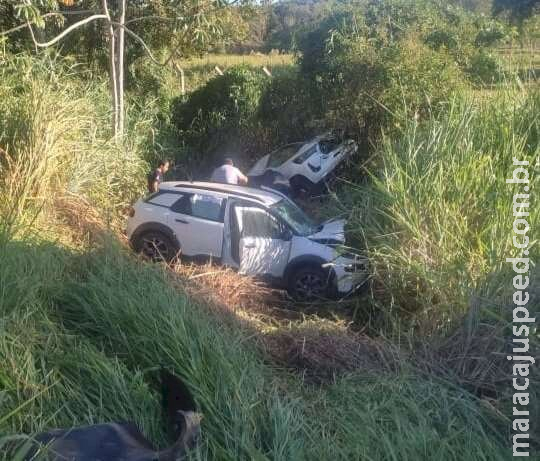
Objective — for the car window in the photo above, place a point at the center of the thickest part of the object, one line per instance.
(200, 206)
(305, 155)
(281, 155)
(206, 207)
(163, 199)
(258, 223)
(182, 205)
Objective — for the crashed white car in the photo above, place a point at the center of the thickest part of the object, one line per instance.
(305, 165)
(256, 231)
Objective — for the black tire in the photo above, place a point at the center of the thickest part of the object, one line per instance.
(301, 186)
(309, 283)
(156, 246)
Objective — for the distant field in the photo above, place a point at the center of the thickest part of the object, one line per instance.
(525, 61)
(199, 70)
(228, 60)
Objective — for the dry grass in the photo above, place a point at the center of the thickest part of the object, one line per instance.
(83, 222)
(318, 348)
(228, 60)
(322, 349)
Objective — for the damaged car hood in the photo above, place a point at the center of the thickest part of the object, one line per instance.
(332, 232)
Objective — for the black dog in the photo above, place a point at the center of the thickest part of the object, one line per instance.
(124, 441)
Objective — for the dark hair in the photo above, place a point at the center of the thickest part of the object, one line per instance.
(228, 161)
(162, 162)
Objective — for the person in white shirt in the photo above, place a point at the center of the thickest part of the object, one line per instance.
(229, 174)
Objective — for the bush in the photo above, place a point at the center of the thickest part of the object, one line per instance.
(485, 68)
(367, 87)
(287, 109)
(223, 108)
(55, 129)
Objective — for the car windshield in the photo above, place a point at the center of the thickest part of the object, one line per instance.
(281, 155)
(301, 223)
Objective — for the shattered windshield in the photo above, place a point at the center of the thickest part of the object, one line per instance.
(300, 222)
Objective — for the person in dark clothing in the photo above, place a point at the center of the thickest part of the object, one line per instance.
(156, 176)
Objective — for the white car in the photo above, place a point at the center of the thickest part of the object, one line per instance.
(256, 231)
(306, 166)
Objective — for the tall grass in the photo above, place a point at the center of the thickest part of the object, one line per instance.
(83, 332)
(436, 217)
(82, 337)
(55, 139)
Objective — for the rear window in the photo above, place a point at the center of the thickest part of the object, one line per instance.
(329, 145)
(201, 206)
(163, 198)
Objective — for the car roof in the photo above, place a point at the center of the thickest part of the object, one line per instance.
(264, 196)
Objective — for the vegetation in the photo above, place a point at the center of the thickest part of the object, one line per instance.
(85, 326)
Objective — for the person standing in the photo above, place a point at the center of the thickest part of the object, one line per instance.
(156, 176)
(229, 174)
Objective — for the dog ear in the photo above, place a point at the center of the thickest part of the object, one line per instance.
(176, 397)
(189, 424)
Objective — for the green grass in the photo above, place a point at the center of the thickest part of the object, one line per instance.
(84, 328)
(82, 337)
(436, 216)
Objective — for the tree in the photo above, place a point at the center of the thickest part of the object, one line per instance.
(184, 24)
(518, 11)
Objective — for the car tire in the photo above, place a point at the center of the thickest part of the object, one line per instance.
(156, 246)
(301, 186)
(309, 283)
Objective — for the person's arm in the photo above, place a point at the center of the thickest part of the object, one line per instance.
(242, 178)
(153, 182)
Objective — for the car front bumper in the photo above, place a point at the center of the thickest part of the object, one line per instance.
(350, 274)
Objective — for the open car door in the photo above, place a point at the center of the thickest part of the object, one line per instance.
(262, 245)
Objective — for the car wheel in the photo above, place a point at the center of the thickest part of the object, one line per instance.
(309, 283)
(156, 246)
(301, 186)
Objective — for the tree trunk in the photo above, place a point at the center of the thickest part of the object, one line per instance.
(120, 67)
(112, 71)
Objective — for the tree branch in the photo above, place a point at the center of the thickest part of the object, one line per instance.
(60, 36)
(160, 18)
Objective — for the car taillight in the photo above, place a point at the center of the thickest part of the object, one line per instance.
(131, 212)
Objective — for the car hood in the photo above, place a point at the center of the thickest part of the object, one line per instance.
(332, 232)
(259, 168)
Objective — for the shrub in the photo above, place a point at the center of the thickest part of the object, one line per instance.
(485, 68)
(224, 107)
(287, 109)
(437, 217)
(366, 86)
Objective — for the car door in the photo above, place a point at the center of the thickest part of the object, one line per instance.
(197, 221)
(263, 244)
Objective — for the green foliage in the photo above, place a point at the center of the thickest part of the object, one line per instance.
(87, 333)
(437, 217)
(518, 10)
(54, 127)
(492, 33)
(224, 107)
(287, 109)
(364, 81)
(485, 68)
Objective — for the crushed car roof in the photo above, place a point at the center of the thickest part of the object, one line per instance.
(265, 196)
